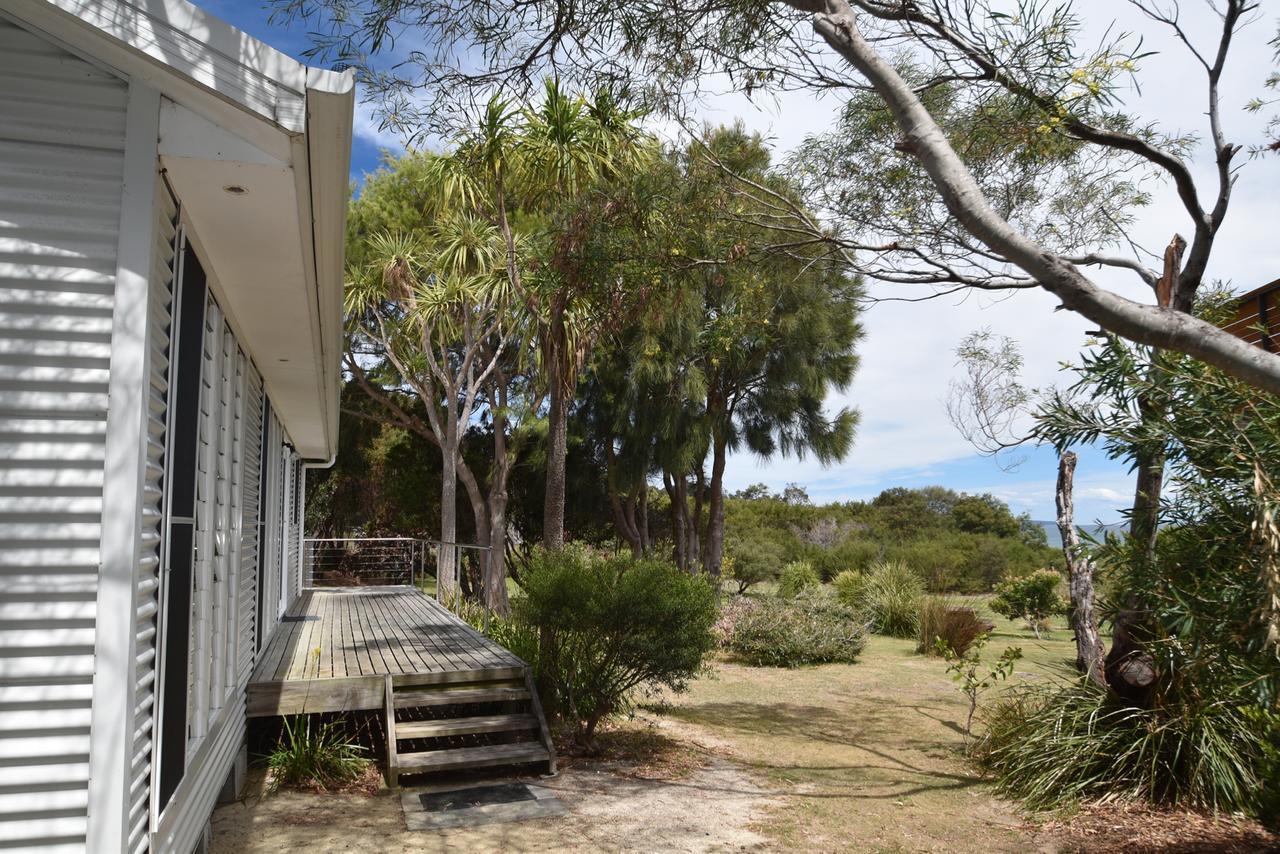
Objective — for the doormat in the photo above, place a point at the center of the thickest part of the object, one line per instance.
(479, 796)
(487, 803)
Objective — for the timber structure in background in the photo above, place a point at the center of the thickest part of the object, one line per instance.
(1258, 317)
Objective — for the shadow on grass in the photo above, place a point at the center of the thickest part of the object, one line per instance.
(876, 732)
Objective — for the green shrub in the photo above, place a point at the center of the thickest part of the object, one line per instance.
(753, 560)
(852, 554)
(1054, 747)
(888, 597)
(1033, 598)
(310, 753)
(613, 625)
(812, 628)
(848, 586)
(797, 576)
(957, 626)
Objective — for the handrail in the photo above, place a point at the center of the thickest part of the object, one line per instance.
(394, 540)
(375, 561)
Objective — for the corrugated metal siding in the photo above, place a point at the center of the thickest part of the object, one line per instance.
(62, 137)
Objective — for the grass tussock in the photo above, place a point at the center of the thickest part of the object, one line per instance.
(1055, 748)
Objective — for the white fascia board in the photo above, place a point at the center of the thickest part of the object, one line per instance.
(330, 118)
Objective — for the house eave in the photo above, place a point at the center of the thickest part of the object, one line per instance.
(279, 122)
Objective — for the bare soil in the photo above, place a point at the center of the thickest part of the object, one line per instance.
(675, 798)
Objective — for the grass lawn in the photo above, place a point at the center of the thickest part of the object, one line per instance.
(868, 755)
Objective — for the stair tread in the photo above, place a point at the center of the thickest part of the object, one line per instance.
(461, 726)
(411, 697)
(473, 757)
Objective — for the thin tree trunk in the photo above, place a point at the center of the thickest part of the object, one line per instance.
(447, 565)
(680, 541)
(646, 545)
(557, 452)
(623, 506)
(1130, 668)
(713, 557)
(1084, 620)
(694, 526)
(495, 576)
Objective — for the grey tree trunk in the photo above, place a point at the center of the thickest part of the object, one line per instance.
(1084, 620)
(557, 452)
(447, 563)
(713, 554)
(495, 572)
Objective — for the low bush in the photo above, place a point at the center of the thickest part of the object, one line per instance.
(610, 626)
(957, 626)
(1033, 598)
(888, 597)
(311, 753)
(731, 612)
(812, 628)
(1055, 747)
(797, 576)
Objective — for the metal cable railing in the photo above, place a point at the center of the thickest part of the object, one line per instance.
(382, 561)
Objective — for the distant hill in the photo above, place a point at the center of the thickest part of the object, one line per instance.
(1091, 530)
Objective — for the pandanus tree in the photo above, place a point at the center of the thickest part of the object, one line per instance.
(428, 311)
(533, 166)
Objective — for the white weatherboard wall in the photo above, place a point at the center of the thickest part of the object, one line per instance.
(62, 140)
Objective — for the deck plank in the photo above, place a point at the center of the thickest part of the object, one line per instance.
(364, 635)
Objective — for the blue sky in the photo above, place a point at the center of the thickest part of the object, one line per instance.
(908, 355)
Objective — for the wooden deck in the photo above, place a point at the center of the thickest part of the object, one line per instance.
(337, 649)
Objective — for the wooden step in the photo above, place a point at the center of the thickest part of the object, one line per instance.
(471, 757)
(416, 697)
(488, 674)
(464, 726)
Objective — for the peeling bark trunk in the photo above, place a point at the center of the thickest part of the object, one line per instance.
(1084, 620)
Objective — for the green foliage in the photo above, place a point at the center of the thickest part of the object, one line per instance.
(915, 527)
(1203, 734)
(946, 624)
(887, 596)
(796, 577)
(973, 677)
(1055, 747)
(752, 559)
(851, 554)
(812, 628)
(1033, 598)
(848, 587)
(612, 625)
(310, 753)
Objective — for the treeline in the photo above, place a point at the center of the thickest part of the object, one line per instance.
(955, 543)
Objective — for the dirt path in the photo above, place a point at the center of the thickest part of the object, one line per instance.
(709, 809)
